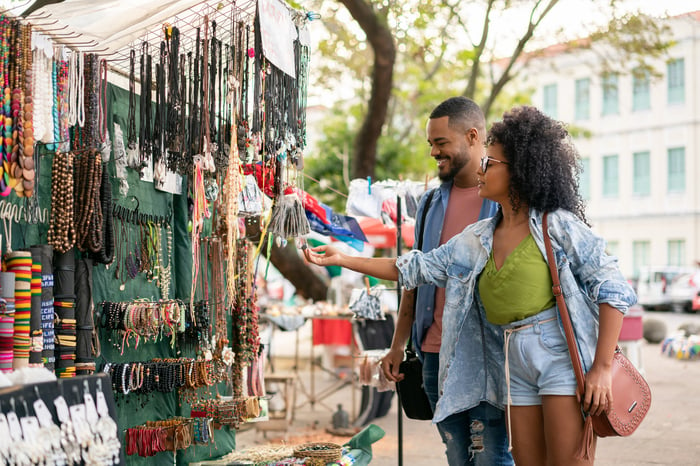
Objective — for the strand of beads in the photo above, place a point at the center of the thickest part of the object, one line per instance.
(17, 113)
(5, 115)
(26, 159)
(165, 270)
(63, 105)
(61, 234)
(89, 213)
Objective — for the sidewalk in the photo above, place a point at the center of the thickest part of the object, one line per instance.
(670, 434)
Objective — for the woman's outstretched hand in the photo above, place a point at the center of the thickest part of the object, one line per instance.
(323, 255)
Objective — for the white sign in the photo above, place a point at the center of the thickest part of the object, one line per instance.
(278, 34)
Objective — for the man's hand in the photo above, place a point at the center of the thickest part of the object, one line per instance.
(390, 365)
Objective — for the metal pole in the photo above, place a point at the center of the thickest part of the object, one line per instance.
(398, 292)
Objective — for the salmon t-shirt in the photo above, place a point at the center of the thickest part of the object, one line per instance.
(463, 209)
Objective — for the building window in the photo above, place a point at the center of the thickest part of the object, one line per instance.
(676, 252)
(549, 100)
(611, 105)
(583, 97)
(640, 90)
(610, 176)
(675, 75)
(640, 255)
(584, 182)
(613, 248)
(641, 185)
(676, 170)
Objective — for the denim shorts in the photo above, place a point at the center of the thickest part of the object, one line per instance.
(538, 359)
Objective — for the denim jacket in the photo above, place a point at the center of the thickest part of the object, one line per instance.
(471, 356)
(434, 219)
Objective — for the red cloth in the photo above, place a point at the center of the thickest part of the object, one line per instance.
(331, 332)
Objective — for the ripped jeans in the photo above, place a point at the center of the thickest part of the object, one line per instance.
(476, 437)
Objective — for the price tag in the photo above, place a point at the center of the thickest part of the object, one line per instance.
(15, 427)
(102, 407)
(61, 409)
(90, 411)
(43, 413)
(77, 414)
(30, 428)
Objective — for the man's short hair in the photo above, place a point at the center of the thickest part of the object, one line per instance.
(462, 113)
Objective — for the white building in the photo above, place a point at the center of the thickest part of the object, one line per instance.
(642, 159)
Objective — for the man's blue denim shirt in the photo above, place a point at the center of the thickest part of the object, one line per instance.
(471, 355)
(434, 219)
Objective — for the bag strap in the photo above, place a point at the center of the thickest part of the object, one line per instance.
(424, 214)
(563, 310)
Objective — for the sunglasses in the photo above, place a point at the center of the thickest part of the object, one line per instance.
(485, 163)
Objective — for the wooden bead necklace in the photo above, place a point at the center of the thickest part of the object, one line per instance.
(61, 233)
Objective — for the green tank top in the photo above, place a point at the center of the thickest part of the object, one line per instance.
(520, 289)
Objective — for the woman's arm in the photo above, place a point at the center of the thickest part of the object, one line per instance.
(379, 267)
(599, 379)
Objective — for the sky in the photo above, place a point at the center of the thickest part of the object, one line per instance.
(574, 17)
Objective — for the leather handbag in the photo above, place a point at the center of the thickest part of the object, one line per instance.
(411, 392)
(631, 393)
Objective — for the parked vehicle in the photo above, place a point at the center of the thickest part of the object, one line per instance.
(683, 291)
(653, 283)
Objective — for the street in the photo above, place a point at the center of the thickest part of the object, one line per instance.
(668, 436)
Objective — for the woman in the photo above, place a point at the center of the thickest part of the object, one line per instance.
(530, 168)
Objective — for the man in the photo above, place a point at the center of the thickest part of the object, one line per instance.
(475, 436)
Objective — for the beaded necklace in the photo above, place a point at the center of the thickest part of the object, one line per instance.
(105, 255)
(245, 339)
(55, 105)
(73, 87)
(27, 155)
(40, 77)
(5, 112)
(18, 116)
(80, 89)
(89, 213)
(64, 104)
(165, 272)
(61, 233)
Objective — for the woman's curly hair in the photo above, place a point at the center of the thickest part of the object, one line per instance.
(544, 164)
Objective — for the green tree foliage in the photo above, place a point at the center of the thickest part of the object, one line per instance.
(445, 48)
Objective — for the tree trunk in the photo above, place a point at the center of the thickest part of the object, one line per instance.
(292, 266)
(380, 38)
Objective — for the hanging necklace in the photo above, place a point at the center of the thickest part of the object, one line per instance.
(73, 88)
(165, 273)
(145, 108)
(174, 132)
(131, 125)
(196, 92)
(80, 90)
(102, 100)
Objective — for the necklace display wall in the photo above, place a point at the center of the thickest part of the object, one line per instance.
(131, 269)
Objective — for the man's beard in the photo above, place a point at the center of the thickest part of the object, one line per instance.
(454, 169)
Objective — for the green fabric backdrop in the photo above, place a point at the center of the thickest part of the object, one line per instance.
(135, 410)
